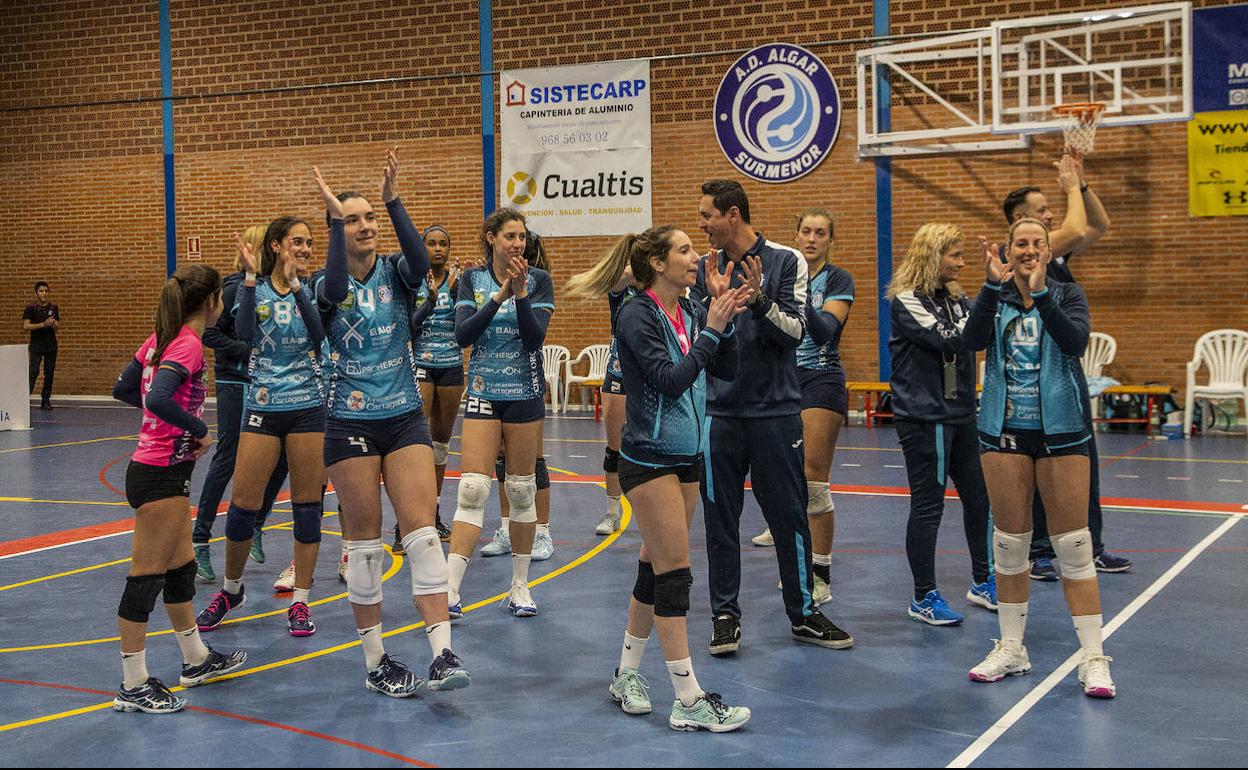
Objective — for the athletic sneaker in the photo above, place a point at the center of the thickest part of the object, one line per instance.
(822, 593)
(708, 712)
(725, 635)
(1094, 676)
(455, 611)
(1107, 562)
(203, 564)
(397, 548)
(543, 546)
(342, 568)
(216, 664)
(1043, 570)
(446, 672)
(285, 582)
(1003, 661)
(934, 610)
(765, 539)
(984, 594)
(299, 620)
(257, 546)
(609, 523)
(221, 605)
(151, 697)
(520, 602)
(444, 532)
(631, 690)
(500, 545)
(392, 678)
(817, 629)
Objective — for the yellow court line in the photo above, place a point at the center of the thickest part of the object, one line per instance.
(69, 443)
(118, 503)
(1175, 459)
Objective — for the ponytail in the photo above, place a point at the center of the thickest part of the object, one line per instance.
(652, 244)
(184, 294)
(595, 282)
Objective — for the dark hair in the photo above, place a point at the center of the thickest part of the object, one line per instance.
(1016, 200)
(535, 252)
(654, 242)
(817, 211)
(343, 197)
(184, 294)
(277, 230)
(42, 285)
(494, 224)
(725, 193)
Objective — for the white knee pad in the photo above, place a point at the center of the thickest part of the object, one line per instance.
(521, 493)
(1011, 553)
(1074, 554)
(474, 491)
(426, 561)
(820, 499)
(364, 567)
(440, 450)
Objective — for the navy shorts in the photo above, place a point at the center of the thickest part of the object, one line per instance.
(1032, 444)
(150, 483)
(345, 439)
(452, 376)
(613, 385)
(506, 412)
(633, 475)
(282, 424)
(824, 390)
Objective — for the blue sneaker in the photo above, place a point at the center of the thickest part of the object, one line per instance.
(934, 610)
(151, 697)
(1043, 570)
(216, 664)
(456, 611)
(984, 594)
(393, 678)
(447, 672)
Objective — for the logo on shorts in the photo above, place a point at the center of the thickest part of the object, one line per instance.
(355, 401)
(264, 312)
(777, 113)
(262, 396)
(384, 295)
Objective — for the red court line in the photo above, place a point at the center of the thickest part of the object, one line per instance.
(108, 467)
(242, 718)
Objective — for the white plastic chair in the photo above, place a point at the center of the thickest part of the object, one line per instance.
(554, 359)
(597, 356)
(1097, 355)
(1225, 354)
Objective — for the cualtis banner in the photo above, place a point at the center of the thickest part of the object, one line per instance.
(1217, 137)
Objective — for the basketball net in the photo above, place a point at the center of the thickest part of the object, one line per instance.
(1079, 121)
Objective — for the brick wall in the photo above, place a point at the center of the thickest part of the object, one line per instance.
(86, 183)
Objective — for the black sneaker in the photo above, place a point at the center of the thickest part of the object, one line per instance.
(1107, 562)
(151, 697)
(444, 532)
(817, 629)
(447, 672)
(726, 638)
(214, 665)
(398, 542)
(393, 678)
(45, 406)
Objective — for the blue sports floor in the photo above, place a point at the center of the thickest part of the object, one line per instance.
(539, 693)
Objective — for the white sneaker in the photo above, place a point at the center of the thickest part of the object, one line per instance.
(500, 545)
(823, 592)
(543, 546)
(520, 602)
(342, 567)
(1003, 661)
(285, 582)
(765, 540)
(1094, 676)
(610, 522)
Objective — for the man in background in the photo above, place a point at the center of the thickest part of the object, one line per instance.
(42, 318)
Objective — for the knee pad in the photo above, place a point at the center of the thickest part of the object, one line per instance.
(671, 593)
(139, 597)
(240, 524)
(474, 491)
(542, 474)
(1011, 553)
(611, 460)
(500, 468)
(820, 499)
(307, 518)
(440, 450)
(426, 561)
(180, 584)
(643, 589)
(364, 568)
(521, 495)
(1074, 554)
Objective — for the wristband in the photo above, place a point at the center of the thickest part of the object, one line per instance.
(249, 277)
(1083, 188)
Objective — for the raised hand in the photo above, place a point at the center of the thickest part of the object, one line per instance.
(1036, 281)
(727, 306)
(390, 175)
(518, 277)
(452, 277)
(995, 270)
(332, 204)
(1067, 173)
(717, 282)
(246, 255)
(290, 269)
(753, 274)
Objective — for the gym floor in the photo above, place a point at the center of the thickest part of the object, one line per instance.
(539, 693)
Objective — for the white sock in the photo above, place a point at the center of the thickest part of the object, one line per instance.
(544, 528)
(300, 595)
(683, 681)
(613, 505)
(520, 567)
(134, 668)
(1088, 628)
(233, 586)
(822, 559)
(1013, 621)
(456, 566)
(374, 649)
(194, 651)
(439, 636)
(632, 652)
(505, 526)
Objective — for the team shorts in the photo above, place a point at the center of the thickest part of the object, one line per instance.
(506, 412)
(1032, 444)
(345, 439)
(824, 390)
(633, 475)
(452, 376)
(282, 424)
(149, 483)
(613, 385)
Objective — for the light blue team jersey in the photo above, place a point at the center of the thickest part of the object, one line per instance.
(830, 283)
(372, 369)
(1022, 372)
(617, 300)
(284, 366)
(436, 347)
(500, 369)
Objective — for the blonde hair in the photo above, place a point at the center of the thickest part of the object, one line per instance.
(920, 269)
(595, 282)
(1028, 221)
(254, 237)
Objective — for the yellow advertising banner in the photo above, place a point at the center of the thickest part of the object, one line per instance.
(1217, 164)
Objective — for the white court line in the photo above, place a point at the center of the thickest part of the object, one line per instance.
(1231, 481)
(1020, 709)
(851, 465)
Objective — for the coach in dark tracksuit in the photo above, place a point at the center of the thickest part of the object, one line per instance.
(756, 425)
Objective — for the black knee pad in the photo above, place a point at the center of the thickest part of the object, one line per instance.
(139, 598)
(643, 589)
(500, 469)
(240, 524)
(307, 518)
(671, 593)
(611, 460)
(543, 475)
(180, 584)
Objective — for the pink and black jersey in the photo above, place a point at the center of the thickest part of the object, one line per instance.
(160, 443)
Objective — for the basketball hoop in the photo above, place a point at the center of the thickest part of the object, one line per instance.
(1079, 121)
